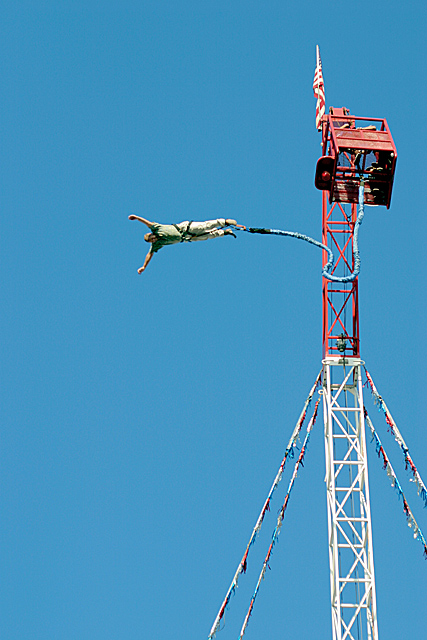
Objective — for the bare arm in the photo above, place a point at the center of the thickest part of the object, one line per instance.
(147, 222)
(147, 260)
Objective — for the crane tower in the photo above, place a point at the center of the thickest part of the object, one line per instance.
(356, 168)
(355, 152)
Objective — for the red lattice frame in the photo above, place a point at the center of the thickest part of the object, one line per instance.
(340, 300)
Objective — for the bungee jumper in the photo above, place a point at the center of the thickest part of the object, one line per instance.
(161, 235)
(188, 231)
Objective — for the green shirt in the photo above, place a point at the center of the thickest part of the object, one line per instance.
(166, 234)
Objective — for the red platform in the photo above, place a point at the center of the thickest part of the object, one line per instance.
(354, 148)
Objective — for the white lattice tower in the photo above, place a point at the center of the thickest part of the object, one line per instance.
(353, 600)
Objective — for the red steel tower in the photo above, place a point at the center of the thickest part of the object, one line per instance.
(354, 149)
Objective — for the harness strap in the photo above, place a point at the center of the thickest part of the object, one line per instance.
(185, 233)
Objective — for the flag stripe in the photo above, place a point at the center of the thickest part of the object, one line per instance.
(319, 91)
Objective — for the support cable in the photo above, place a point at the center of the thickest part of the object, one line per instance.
(327, 269)
(421, 487)
(412, 523)
(280, 518)
(243, 563)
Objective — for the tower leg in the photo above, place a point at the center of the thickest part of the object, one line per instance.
(353, 599)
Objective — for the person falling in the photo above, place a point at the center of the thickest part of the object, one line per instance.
(162, 234)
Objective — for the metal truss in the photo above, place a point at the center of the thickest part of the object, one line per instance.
(353, 599)
(340, 301)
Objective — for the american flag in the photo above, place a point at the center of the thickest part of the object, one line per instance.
(319, 91)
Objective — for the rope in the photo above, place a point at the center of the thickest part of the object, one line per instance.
(412, 523)
(327, 269)
(421, 488)
(243, 563)
(280, 518)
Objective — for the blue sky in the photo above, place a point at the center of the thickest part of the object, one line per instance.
(144, 417)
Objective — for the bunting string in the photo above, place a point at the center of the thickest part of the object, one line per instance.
(412, 523)
(421, 488)
(289, 453)
(280, 518)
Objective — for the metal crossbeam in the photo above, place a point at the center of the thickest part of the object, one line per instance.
(353, 600)
(339, 302)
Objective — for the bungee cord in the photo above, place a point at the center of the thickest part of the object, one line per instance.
(243, 563)
(328, 268)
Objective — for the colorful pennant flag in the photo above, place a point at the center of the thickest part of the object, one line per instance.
(416, 477)
(292, 444)
(280, 518)
(412, 523)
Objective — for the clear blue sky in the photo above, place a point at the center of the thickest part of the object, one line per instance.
(144, 417)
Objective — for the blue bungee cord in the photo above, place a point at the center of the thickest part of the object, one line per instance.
(356, 253)
(329, 265)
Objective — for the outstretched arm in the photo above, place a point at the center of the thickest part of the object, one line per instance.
(147, 222)
(147, 260)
